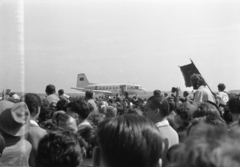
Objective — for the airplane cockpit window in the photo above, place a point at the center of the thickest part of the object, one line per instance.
(136, 87)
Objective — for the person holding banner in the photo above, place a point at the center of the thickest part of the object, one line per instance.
(202, 93)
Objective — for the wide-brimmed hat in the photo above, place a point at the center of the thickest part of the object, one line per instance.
(14, 118)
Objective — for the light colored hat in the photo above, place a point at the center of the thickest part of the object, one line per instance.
(15, 97)
(14, 118)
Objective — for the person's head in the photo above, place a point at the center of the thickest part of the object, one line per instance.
(156, 92)
(221, 87)
(185, 93)
(50, 89)
(60, 92)
(165, 94)
(111, 112)
(198, 150)
(81, 107)
(67, 122)
(197, 81)
(59, 148)
(89, 94)
(130, 141)
(62, 105)
(205, 109)
(157, 108)
(185, 113)
(34, 103)
(126, 94)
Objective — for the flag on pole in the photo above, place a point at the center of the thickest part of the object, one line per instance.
(187, 71)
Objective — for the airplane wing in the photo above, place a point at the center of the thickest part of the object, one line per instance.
(95, 91)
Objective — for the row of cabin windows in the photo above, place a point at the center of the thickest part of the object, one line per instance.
(113, 87)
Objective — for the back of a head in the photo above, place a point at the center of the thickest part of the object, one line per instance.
(50, 89)
(207, 109)
(111, 112)
(130, 141)
(33, 101)
(81, 107)
(89, 94)
(221, 87)
(62, 105)
(61, 92)
(161, 103)
(59, 148)
(156, 93)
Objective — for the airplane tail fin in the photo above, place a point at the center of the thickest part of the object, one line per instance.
(82, 80)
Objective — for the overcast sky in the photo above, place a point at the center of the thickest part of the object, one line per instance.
(132, 41)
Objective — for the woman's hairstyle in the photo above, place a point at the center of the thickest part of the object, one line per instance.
(59, 148)
(129, 140)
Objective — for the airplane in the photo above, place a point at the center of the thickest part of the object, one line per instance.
(109, 89)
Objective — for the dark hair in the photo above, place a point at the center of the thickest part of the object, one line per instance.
(130, 141)
(197, 79)
(89, 94)
(199, 149)
(221, 87)
(2, 144)
(156, 93)
(161, 103)
(33, 101)
(59, 148)
(205, 109)
(81, 107)
(61, 91)
(234, 104)
(62, 105)
(50, 89)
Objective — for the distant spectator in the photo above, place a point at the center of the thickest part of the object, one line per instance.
(223, 97)
(51, 96)
(127, 99)
(89, 99)
(165, 95)
(156, 92)
(14, 124)
(35, 133)
(62, 95)
(59, 149)
(202, 93)
(128, 141)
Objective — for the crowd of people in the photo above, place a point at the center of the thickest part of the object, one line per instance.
(195, 130)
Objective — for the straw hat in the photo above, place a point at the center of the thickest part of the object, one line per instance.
(14, 118)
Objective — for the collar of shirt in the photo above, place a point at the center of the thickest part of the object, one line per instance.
(33, 122)
(162, 123)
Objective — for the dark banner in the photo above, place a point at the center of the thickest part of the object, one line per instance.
(188, 71)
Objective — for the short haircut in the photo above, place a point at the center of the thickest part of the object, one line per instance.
(81, 107)
(62, 105)
(33, 101)
(159, 102)
(89, 94)
(61, 91)
(221, 87)
(156, 93)
(130, 141)
(59, 148)
(206, 109)
(198, 80)
(50, 89)
(234, 104)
